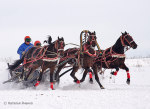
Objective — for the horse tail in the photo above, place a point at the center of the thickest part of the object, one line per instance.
(16, 63)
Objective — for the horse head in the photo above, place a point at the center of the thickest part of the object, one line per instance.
(92, 39)
(127, 40)
(59, 46)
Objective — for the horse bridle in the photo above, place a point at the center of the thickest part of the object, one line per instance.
(61, 46)
(123, 38)
(93, 39)
(56, 47)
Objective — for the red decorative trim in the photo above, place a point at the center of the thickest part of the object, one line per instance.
(50, 59)
(115, 73)
(37, 83)
(128, 75)
(51, 85)
(78, 82)
(90, 75)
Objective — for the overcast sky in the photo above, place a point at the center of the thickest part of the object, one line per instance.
(67, 18)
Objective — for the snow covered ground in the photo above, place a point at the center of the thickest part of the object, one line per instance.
(68, 95)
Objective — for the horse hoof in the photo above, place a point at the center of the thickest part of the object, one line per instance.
(77, 81)
(128, 81)
(102, 87)
(91, 81)
(114, 73)
(20, 79)
(25, 79)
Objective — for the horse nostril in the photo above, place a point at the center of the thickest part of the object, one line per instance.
(134, 46)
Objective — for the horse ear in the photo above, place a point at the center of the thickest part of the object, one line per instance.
(62, 38)
(125, 32)
(94, 33)
(89, 32)
(58, 37)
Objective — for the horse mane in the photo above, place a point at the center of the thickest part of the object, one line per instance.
(49, 40)
(117, 47)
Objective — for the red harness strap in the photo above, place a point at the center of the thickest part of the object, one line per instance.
(86, 51)
(92, 55)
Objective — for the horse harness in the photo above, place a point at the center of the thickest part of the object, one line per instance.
(114, 56)
(42, 54)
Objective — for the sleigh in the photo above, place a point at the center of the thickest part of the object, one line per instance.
(15, 76)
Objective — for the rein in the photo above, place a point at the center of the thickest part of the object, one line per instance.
(40, 56)
(69, 51)
(72, 44)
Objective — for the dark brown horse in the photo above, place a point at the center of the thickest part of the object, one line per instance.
(79, 59)
(43, 57)
(114, 56)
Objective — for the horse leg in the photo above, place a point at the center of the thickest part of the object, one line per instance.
(90, 75)
(21, 78)
(84, 74)
(56, 77)
(52, 69)
(32, 68)
(96, 76)
(72, 74)
(123, 66)
(26, 78)
(22, 74)
(24, 69)
(40, 77)
(115, 73)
